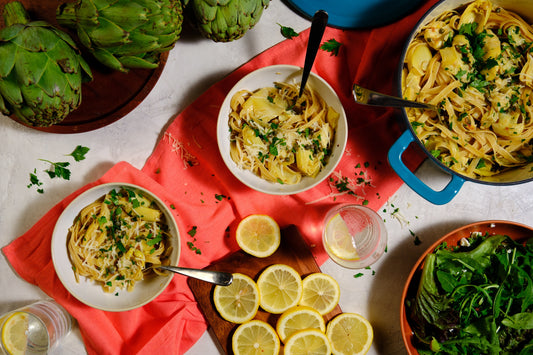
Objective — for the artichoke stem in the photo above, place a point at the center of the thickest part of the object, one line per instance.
(14, 13)
(66, 15)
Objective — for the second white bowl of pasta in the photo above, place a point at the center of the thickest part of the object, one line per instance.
(105, 241)
(276, 142)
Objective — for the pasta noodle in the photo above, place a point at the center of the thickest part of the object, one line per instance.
(476, 65)
(279, 136)
(116, 238)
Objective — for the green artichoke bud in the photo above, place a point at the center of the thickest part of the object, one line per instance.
(124, 34)
(226, 20)
(41, 70)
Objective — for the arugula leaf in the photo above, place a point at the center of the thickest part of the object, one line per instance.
(79, 153)
(288, 32)
(331, 46)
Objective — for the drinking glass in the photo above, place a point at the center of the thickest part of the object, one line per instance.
(34, 329)
(354, 236)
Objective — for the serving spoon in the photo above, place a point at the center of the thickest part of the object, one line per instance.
(373, 98)
(214, 277)
(318, 26)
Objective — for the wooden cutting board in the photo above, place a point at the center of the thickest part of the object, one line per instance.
(293, 251)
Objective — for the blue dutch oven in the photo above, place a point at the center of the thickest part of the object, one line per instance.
(513, 176)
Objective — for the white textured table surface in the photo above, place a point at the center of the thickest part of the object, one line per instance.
(194, 65)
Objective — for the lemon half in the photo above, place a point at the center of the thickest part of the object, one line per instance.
(321, 292)
(349, 333)
(255, 338)
(299, 318)
(239, 301)
(258, 235)
(280, 287)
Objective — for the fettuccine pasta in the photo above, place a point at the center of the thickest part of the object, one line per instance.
(279, 136)
(114, 239)
(476, 65)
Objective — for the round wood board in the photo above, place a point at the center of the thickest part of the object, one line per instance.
(109, 96)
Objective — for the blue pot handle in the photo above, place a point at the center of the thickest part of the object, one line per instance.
(436, 197)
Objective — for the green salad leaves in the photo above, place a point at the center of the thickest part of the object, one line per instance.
(476, 299)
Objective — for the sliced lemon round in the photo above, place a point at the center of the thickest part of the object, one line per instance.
(14, 337)
(238, 302)
(349, 333)
(299, 318)
(254, 338)
(308, 341)
(258, 235)
(338, 239)
(280, 287)
(321, 292)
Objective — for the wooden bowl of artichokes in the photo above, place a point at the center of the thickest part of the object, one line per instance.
(77, 65)
(73, 67)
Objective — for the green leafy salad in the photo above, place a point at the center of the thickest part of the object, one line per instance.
(475, 299)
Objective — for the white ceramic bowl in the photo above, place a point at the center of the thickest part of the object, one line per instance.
(265, 77)
(88, 291)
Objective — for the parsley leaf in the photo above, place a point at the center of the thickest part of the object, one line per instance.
(79, 153)
(331, 46)
(287, 32)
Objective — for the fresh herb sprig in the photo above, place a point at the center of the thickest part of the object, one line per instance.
(57, 169)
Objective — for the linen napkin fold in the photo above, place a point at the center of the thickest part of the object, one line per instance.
(187, 172)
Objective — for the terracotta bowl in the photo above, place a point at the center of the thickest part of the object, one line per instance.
(514, 230)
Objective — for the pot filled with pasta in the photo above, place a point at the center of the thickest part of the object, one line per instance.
(474, 61)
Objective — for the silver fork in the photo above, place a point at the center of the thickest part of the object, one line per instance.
(368, 97)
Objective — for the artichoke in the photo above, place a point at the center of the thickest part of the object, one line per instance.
(225, 20)
(41, 70)
(124, 34)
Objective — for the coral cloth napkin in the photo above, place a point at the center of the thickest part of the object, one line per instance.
(187, 172)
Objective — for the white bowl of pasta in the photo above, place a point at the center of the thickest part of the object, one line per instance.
(276, 142)
(471, 59)
(105, 241)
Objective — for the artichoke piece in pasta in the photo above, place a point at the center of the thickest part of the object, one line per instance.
(477, 12)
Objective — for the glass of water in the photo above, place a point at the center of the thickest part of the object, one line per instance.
(34, 329)
(354, 236)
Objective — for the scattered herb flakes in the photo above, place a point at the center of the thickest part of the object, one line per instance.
(172, 206)
(192, 231)
(358, 275)
(287, 32)
(190, 244)
(220, 197)
(79, 153)
(331, 46)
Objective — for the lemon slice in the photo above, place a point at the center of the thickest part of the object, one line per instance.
(14, 336)
(321, 292)
(255, 337)
(349, 333)
(280, 287)
(339, 240)
(299, 318)
(258, 235)
(238, 302)
(308, 341)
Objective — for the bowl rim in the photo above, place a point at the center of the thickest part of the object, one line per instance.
(426, 17)
(253, 181)
(58, 249)
(495, 226)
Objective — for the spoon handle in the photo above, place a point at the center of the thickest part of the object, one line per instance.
(318, 26)
(369, 97)
(215, 277)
